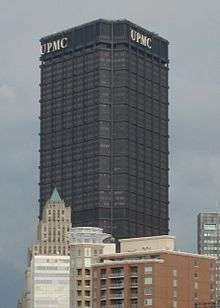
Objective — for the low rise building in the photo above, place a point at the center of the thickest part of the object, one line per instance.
(150, 273)
(86, 245)
(50, 281)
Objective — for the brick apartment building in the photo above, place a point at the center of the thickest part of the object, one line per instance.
(153, 278)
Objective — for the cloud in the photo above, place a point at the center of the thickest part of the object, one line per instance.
(192, 27)
(7, 94)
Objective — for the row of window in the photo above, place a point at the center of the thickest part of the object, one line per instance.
(102, 59)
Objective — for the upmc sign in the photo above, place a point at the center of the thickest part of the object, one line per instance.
(141, 39)
(54, 45)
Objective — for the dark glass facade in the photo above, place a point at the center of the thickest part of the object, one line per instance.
(104, 126)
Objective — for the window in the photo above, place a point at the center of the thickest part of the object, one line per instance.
(148, 291)
(87, 293)
(148, 269)
(87, 271)
(174, 304)
(134, 270)
(174, 273)
(195, 263)
(103, 273)
(148, 302)
(148, 280)
(210, 227)
(88, 252)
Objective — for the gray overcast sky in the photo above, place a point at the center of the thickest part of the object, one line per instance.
(193, 29)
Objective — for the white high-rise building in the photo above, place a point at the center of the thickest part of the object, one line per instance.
(50, 281)
(51, 249)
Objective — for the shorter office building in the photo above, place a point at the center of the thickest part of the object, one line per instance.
(86, 245)
(50, 281)
(150, 273)
(53, 229)
(52, 243)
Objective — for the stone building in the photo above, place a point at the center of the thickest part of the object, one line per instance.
(53, 228)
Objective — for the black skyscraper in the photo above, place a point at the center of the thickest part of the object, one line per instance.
(104, 126)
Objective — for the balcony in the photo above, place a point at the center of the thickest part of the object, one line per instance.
(116, 274)
(134, 285)
(117, 295)
(134, 295)
(103, 276)
(117, 286)
(103, 297)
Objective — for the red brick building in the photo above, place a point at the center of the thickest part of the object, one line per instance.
(154, 279)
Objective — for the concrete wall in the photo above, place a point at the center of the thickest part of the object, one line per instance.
(148, 243)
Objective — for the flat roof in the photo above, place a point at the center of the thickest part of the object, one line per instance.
(159, 251)
(102, 20)
(148, 238)
(127, 262)
(209, 213)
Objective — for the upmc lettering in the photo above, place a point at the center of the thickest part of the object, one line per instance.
(54, 45)
(141, 39)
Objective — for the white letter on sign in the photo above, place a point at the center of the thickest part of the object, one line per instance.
(64, 42)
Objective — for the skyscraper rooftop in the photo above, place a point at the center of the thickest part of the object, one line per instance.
(55, 197)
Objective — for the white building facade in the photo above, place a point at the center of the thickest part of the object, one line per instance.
(51, 251)
(50, 281)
